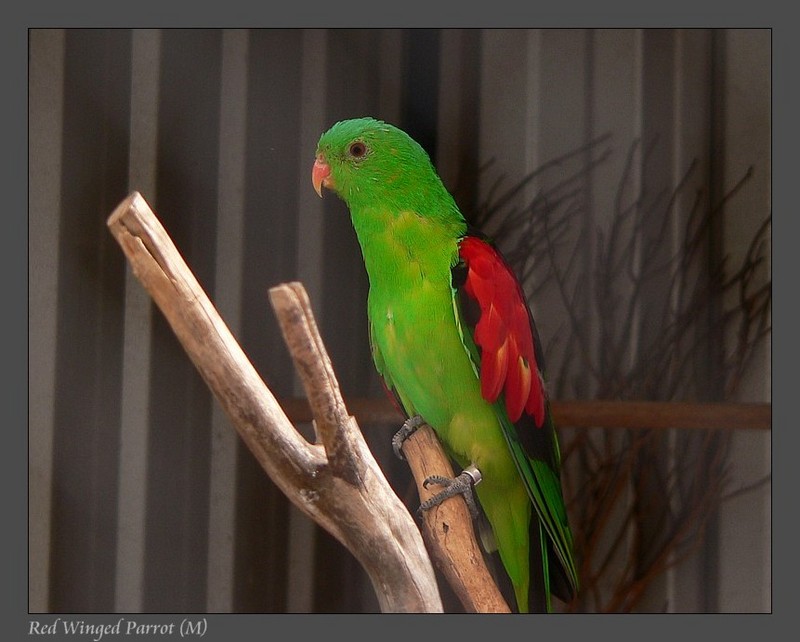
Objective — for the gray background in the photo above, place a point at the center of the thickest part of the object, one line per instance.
(141, 497)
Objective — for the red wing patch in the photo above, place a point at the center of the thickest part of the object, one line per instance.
(503, 333)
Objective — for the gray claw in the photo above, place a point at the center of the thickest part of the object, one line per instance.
(406, 430)
(461, 485)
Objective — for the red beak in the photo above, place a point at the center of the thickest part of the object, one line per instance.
(320, 175)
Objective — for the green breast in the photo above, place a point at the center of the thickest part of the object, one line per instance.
(416, 340)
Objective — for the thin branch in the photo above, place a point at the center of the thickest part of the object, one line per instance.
(448, 529)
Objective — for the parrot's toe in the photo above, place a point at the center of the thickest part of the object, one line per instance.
(406, 430)
(461, 485)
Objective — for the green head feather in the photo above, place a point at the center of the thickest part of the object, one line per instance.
(374, 163)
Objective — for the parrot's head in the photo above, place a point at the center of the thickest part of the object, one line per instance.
(364, 160)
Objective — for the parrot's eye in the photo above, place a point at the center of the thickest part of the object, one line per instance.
(357, 149)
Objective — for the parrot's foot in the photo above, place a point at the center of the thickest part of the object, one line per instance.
(408, 428)
(461, 485)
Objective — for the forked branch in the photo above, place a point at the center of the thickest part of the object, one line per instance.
(335, 481)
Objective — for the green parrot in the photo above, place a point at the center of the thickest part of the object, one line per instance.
(455, 343)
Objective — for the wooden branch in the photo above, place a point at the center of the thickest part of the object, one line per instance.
(663, 415)
(448, 529)
(595, 414)
(334, 427)
(337, 483)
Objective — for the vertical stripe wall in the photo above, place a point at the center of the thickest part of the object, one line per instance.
(45, 115)
(141, 496)
(89, 313)
(134, 433)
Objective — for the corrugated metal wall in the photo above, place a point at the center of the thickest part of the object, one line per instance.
(141, 496)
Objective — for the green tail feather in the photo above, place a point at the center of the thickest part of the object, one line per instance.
(544, 490)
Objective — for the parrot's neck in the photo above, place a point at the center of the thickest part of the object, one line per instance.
(403, 248)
